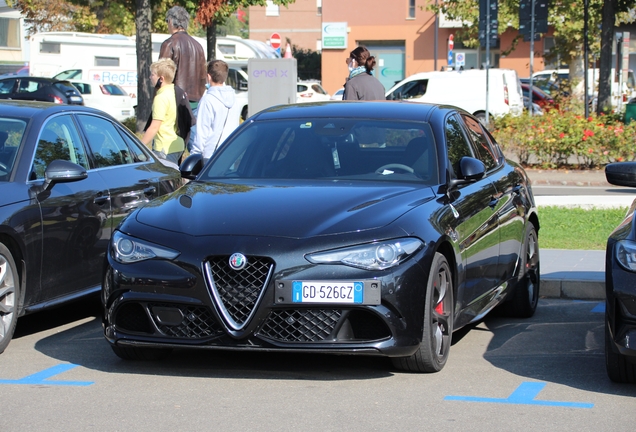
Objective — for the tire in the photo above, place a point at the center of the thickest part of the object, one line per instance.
(525, 298)
(433, 351)
(619, 368)
(137, 353)
(9, 294)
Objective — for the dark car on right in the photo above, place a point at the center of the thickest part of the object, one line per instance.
(620, 285)
(39, 89)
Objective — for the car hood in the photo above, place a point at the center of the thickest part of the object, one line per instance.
(295, 211)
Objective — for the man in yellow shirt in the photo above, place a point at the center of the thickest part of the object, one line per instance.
(163, 129)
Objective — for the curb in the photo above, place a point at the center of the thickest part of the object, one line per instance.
(572, 289)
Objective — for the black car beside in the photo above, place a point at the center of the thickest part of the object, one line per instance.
(371, 228)
(620, 285)
(39, 89)
(68, 175)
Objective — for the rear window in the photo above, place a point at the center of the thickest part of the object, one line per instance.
(65, 86)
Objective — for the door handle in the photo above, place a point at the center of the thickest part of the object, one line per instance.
(101, 199)
(150, 190)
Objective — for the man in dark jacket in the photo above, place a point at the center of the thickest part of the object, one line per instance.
(186, 53)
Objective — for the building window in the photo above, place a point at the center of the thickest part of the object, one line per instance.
(318, 7)
(50, 47)
(411, 8)
(107, 61)
(271, 9)
(9, 33)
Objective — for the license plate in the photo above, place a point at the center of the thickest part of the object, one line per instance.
(327, 292)
(126, 112)
(75, 99)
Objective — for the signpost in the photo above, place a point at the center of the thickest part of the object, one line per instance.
(274, 41)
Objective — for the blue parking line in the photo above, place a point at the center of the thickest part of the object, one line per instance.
(599, 308)
(41, 378)
(525, 394)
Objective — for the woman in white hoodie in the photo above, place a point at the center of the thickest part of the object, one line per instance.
(214, 122)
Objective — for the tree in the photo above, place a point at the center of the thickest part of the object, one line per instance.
(212, 12)
(613, 11)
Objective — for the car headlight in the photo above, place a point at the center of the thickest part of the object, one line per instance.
(128, 249)
(625, 251)
(372, 256)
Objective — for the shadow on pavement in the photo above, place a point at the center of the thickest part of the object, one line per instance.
(563, 343)
(83, 343)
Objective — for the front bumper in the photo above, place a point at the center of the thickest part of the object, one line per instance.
(621, 308)
(158, 303)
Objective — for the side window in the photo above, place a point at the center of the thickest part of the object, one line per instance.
(135, 147)
(456, 142)
(410, 90)
(28, 86)
(59, 139)
(485, 152)
(7, 85)
(107, 146)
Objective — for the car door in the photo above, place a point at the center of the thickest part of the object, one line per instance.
(509, 205)
(130, 184)
(74, 215)
(476, 224)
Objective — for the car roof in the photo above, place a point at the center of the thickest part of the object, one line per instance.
(389, 110)
(30, 109)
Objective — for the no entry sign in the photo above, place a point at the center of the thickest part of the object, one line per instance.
(274, 40)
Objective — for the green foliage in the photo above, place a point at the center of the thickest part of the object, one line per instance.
(566, 18)
(563, 137)
(576, 228)
(309, 63)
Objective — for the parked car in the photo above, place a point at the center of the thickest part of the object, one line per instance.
(549, 87)
(465, 90)
(39, 89)
(310, 91)
(338, 95)
(373, 228)
(620, 285)
(68, 175)
(109, 98)
(541, 98)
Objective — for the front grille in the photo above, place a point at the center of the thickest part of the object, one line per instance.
(300, 325)
(236, 292)
(198, 322)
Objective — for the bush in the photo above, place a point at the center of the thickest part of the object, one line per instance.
(562, 137)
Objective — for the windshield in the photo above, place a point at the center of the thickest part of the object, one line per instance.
(331, 148)
(11, 133)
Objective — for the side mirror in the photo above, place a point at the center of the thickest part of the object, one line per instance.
(192, 166)
(243, 85)
(470, 170)
(61, 171)
(621, 173)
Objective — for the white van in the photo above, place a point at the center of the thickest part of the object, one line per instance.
(465, 89)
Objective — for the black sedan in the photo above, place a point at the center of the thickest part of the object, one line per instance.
(620, 286)
(374, 228)
(39, 89)
(68, 175)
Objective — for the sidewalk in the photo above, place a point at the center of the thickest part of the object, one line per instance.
(576, 274)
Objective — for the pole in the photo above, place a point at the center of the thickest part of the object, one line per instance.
(531, 92)
(585, 55)
(487, 55)
(436, 38)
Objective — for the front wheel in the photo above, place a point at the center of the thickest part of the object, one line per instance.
(433, 351)
(9, 293)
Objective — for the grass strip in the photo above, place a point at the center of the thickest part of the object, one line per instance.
(577, 228)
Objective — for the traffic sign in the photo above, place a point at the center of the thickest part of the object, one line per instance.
(460, 59)
(274, 40)
(451, 42)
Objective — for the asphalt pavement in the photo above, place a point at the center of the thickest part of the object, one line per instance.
(574, 274)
